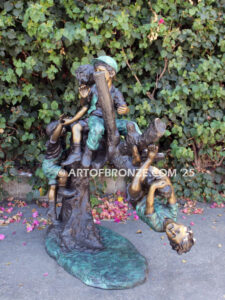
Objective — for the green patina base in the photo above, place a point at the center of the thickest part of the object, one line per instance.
(118, 266)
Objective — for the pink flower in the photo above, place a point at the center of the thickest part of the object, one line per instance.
(9, 210)
(2, 208)
(29, 228)
(24, 243)
(45, 274)
(14, 232)
(24, 221)
(183, 217)
(97, 221)
(10, 204)
(136, 217)
(185, 210)
(198, 211)
(5, 217)
(117, 220)
(20, 214)
(35, 214)
(2, 237)
(161, 21)
(35, 223)
(192, 223)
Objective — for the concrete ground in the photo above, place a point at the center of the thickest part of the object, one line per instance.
(199, 274)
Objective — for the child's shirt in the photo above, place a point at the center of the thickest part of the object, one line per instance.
(161, 212)
(95, 108)
(54, 149)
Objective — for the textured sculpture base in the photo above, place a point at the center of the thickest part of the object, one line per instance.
(118, 266)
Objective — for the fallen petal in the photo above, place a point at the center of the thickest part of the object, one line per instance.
(2, 237)
(35, 214)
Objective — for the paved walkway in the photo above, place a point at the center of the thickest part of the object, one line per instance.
(28, 273)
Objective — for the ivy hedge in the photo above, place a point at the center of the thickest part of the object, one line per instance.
(171, 58)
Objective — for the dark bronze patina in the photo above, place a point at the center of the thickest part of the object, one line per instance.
(137, 151)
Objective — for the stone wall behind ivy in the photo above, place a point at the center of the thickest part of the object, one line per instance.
(171, 59)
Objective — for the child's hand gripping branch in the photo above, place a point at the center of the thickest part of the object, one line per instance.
(123, 110)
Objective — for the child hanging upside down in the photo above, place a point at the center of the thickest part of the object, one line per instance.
(160, 217)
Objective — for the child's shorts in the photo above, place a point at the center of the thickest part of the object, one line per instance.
(51, 170)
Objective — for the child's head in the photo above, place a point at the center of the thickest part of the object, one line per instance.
(106, 64)
(52, 126)
(180, 237)
(84, 75)
(165, 192)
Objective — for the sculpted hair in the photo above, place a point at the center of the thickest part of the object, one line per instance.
(51, 127)
(84, 75)
(185, 244)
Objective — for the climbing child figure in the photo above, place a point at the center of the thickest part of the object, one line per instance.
(57, 176)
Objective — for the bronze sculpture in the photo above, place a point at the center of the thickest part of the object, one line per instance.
(95, 140)
(158, 216)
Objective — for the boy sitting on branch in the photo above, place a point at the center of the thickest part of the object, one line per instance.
(95, 120)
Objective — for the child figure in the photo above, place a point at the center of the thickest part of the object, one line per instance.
(84, 75)
(95, 121)
(159, 217)
(56, 175)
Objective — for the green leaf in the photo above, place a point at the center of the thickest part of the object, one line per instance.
(19, 71)
(8, 6)
(45, 105)
(54, 105)
(69, 31)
